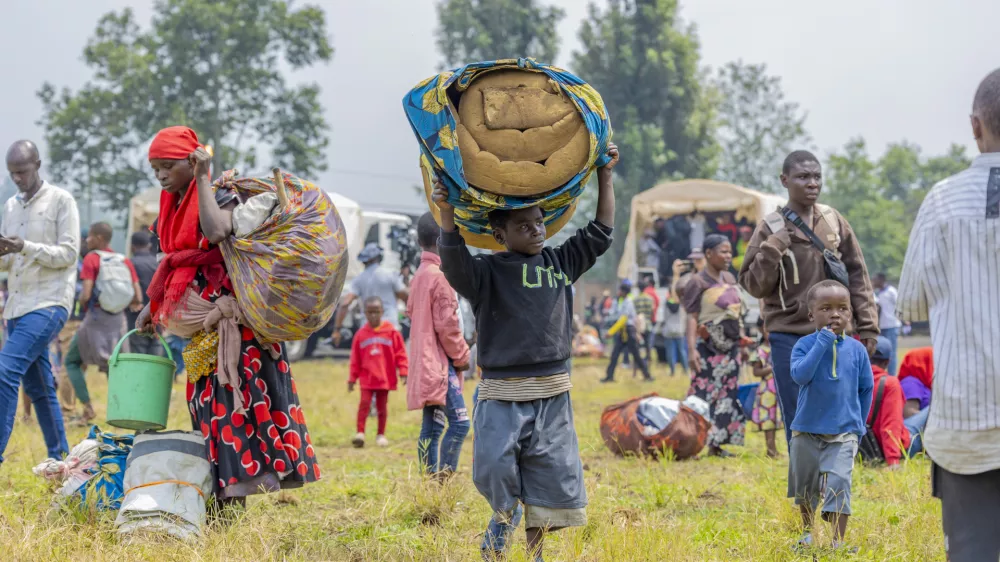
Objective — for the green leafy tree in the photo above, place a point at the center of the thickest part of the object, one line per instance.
(210, 65)
(757, 126)
(880, 198)
(480, 30)
(645, 63)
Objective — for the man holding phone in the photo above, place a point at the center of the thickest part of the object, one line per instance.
(39, 245)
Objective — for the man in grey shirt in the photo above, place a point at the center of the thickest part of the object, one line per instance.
(374, 281)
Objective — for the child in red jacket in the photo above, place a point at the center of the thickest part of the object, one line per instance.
(890, 431)
(377, 353)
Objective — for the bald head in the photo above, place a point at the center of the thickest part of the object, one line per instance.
(23, 151)
(986, 105)
(23, 163)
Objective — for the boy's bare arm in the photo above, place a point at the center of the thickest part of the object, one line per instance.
(606, 189)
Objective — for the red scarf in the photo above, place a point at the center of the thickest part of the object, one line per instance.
(178, 228)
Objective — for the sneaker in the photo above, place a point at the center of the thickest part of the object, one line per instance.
(804, 544)
(841, 547)
(381, 441)
(358, 441)
(607, 379)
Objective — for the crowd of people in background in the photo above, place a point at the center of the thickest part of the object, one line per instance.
(824, 354)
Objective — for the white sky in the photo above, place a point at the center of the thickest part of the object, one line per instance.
(886, 70)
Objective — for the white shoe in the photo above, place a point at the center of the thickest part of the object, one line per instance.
(381, 441)
(359, 440)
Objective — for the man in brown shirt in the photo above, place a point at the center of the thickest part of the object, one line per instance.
(782, 263)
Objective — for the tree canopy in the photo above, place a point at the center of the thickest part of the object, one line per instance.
(480, 30)
(645, 62)
(213, 66)
(757, 126)
(880, 198)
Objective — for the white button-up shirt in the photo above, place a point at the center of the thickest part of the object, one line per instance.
(43, 274)
(951, 277)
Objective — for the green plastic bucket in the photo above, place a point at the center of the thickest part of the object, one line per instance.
(139, 388)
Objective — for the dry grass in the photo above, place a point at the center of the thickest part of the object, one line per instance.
(372, 504)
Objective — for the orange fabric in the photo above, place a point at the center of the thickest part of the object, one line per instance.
(919, 363)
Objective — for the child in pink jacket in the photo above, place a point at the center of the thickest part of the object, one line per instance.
(438, 354)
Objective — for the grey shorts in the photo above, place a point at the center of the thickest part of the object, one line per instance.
(970, 513)
(820, 469)
(528, 451)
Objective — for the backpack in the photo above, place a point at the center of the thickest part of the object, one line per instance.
(114, 283)
(776, 221)
(869, 447)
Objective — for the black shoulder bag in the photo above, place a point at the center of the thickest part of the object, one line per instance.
(835, 269)
(868, 447)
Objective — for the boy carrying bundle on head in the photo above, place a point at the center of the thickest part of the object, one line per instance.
(525, 447)
(835, 394)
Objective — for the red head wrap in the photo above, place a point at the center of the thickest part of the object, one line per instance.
(174, 143)
(179, 230)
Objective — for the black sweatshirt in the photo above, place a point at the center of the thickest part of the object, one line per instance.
(523, 304)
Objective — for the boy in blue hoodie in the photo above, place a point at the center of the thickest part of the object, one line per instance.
(835, 394)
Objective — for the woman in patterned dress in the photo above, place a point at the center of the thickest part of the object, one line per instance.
(714, 332)
(240, 392)
(765, 407)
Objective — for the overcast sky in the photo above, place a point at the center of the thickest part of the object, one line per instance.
(886, 70)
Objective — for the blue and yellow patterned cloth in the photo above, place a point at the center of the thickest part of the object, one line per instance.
(106, 487)
(431, 115)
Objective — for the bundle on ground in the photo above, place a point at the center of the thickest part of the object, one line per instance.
(508, 134)
(643, 426)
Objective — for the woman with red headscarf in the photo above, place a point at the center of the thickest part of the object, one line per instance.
(240, 392)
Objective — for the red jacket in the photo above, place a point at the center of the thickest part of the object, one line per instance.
(889, 429)
(656, 302)
(376, 355)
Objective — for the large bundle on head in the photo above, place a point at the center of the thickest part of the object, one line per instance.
(508, 134)
(288, 272)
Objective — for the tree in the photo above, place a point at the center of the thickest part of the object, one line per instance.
(757, 126)
(644, 61)
(880, 198)
(210, 65)
(481, 30)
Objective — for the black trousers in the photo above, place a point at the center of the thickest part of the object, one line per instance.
(627, 342)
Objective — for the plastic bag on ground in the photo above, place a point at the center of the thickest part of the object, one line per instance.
(167, 480)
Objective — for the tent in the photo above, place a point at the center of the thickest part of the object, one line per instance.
(685, 197)
(145, 207)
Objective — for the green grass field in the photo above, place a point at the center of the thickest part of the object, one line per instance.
(373, 504)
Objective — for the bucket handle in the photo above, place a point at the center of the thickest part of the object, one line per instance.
(113, 360)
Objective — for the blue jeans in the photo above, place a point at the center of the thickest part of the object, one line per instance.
(457, 418)
(499, 532)
(677, 352)
(788, 390)
(892, 334)
(177, 345)
(915, 424)
(25, 360)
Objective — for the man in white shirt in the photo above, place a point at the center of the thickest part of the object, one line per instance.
(39, 245)
(951, 278)
(888, 322)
